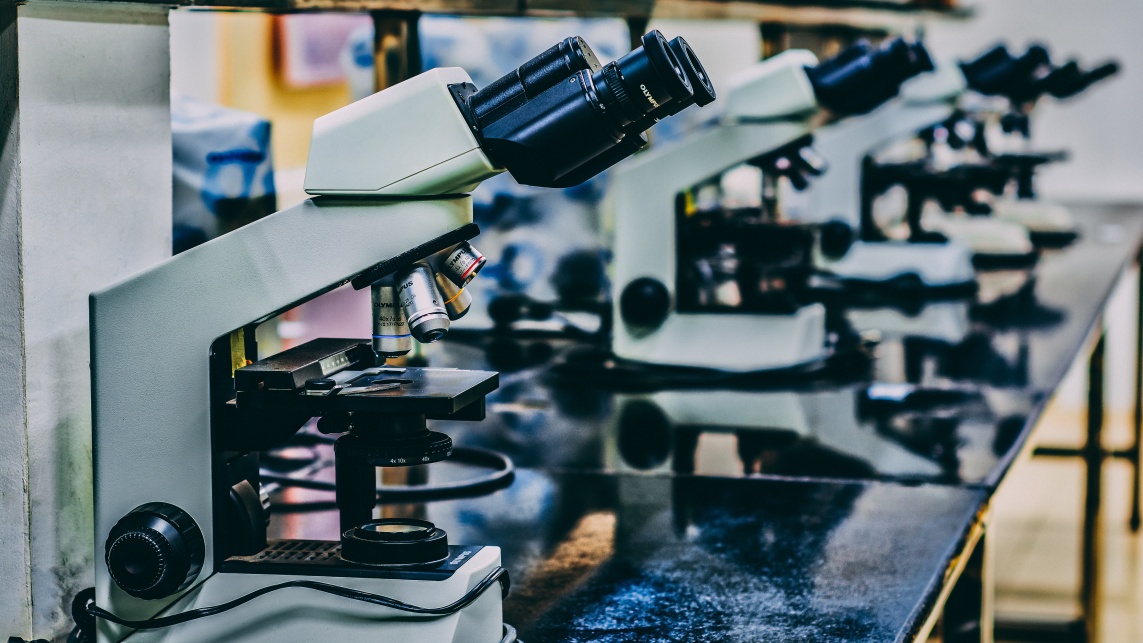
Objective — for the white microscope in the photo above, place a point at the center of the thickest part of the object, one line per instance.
(708, 286)
(1008, 90)
(934, 106)
(183, 404)
(937, 267)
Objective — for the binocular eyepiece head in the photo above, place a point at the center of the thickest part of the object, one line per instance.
(997, 72)
(862, 77)
(562, 117)
(1025, 78)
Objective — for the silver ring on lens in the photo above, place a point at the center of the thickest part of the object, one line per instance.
(462, 264)
(457, 300)
(422, 303)
(391, 336)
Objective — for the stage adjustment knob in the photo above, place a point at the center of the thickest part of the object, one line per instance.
(155, 551)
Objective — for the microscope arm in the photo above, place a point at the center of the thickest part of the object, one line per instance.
(153, 424)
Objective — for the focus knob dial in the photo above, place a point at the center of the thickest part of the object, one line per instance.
(155, 551)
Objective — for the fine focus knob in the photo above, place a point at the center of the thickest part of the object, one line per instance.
(155, 551)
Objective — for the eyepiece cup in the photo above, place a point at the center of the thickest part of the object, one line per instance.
(702, 88)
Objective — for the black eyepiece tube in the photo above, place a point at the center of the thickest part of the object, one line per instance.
(997, 72)
(861, 78)
(643, 80)
(556, 64)
(704, 94)
(630, 144)
(534, 77)
(586, 112)
(1069, 80)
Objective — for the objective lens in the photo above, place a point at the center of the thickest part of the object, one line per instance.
(457, 300)
(462, 264)
(422, 303)
(391, 336)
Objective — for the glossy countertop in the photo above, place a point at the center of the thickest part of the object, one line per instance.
(950, 395)
(636, 558)
(817, 511)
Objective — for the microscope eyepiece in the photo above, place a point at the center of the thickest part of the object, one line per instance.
(562, 117)
(997, 72)
(703, 88)
(644, 79)
(533, 78)
(861, 78)
(633, 140)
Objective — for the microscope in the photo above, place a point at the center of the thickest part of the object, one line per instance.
(1009, 88)
(183, 404)
(932, 112)
(700, 283)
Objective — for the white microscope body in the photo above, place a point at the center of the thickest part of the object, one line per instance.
(169, 345)
(150, 337)
(924, 101)
(768, 105)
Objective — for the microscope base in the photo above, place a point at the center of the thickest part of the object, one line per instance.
(739, 342)
(1050, 225)
(305, 615)
(996, 244)
(903, 266)
(947, 321)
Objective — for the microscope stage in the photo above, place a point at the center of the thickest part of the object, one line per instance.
(347, 366)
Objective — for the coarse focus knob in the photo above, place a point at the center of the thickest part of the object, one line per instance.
(645, 304)
(155, 551)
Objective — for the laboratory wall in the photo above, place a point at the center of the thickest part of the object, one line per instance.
(1101, 128)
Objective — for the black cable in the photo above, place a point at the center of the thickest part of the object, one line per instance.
(498, 574)
(504, 472)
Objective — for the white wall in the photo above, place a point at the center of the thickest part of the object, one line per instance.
(195, 48)
(15, 592)
(86, 170)
(1101, 127)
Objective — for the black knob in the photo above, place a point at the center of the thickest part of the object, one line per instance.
(835, 238)
(155, 551)
(645, 303)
